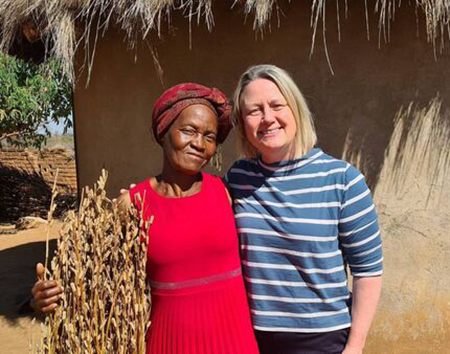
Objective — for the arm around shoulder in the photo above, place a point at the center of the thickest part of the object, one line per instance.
(124, 202)
(229, 196)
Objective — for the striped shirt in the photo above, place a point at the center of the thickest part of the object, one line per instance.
(300, 223)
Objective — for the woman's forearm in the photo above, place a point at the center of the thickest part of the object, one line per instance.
(366, 294)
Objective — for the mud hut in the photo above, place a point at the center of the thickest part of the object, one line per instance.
(376, 74)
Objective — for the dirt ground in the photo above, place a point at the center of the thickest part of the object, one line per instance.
(19, 252)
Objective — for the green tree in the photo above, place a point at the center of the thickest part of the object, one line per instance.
(31, 96)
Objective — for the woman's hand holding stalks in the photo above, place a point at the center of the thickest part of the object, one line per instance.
(46, 293)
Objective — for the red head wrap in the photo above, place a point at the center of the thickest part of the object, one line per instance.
(174, 100)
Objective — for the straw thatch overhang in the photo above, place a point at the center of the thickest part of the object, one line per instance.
(60, 26)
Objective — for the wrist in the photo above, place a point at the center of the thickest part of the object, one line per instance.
(26, 306)
(33, 306)
(354, 346)
(356, 340)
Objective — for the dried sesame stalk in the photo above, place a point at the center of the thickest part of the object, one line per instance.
(100, 262)
(50, 221)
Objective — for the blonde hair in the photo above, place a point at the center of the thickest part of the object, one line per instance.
(305, 136)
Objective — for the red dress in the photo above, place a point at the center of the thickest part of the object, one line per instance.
(199, 303)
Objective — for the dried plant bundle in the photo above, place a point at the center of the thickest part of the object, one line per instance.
(100, 262)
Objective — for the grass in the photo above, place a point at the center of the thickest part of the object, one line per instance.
(63, 141)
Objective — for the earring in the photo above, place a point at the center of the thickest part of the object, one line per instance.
(216, 160)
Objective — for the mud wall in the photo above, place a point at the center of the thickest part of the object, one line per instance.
(411, 195)
(364, 112)
(26, 180)
(43, 163)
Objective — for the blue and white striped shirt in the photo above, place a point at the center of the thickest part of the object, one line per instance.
(300, 222)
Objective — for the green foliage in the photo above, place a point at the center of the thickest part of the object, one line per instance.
(31, 96)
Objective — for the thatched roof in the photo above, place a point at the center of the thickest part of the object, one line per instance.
(63, 24)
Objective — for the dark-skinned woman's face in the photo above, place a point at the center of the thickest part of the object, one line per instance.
(190, 141)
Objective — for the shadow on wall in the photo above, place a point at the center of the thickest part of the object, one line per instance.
(28, 194)
(22, 194)
(420, 141)
(17, 276)
(419, 149)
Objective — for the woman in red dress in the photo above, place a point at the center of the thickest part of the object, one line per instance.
(199, 303)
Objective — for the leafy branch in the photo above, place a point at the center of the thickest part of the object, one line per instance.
(32, 96)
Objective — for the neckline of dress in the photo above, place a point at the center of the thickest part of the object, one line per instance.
(153, 191)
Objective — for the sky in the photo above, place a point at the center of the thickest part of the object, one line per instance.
(57, 129)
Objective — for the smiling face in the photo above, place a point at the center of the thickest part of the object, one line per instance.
(268, 120)
(190, 141)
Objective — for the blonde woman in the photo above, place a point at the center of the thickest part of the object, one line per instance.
(302, 216)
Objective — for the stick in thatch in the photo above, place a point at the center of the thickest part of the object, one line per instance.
(101, 264)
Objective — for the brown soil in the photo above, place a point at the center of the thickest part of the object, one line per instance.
(19, 252)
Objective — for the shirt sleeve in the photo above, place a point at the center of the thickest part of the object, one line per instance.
(227, 179)
(359, 231)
